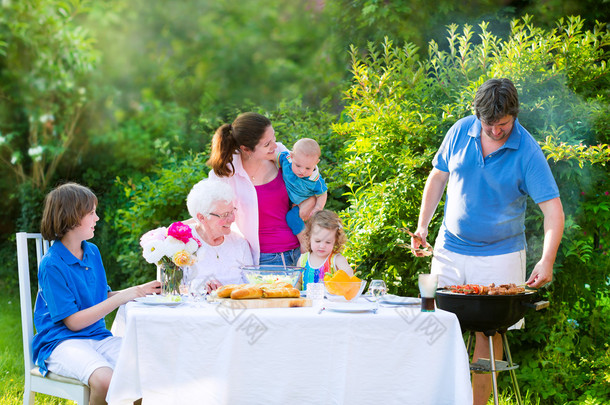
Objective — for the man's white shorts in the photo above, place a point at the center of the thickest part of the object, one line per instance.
(454, 269)
(79, 358)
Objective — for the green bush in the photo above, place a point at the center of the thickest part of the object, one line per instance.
(141, 204)
(565, 353)
(386, 158)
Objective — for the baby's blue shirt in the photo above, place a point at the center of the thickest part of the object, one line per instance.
(300, 188)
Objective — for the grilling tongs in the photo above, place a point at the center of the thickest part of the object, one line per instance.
(427, 251)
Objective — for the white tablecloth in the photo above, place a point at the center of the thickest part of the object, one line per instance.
(213, 354)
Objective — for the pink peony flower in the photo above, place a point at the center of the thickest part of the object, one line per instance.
(180, 231)
(607, 192)
(176, 244)
(155, 234)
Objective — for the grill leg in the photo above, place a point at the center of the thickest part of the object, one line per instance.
(469, 343)
(513, 375)
(493, 369)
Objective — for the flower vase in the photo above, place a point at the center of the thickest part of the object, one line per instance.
(171, 279)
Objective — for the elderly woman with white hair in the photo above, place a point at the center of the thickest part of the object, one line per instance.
(222, 251)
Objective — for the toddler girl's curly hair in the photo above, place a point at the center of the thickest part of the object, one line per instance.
(328, 220)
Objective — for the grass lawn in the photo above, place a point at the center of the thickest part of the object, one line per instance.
(11, 356)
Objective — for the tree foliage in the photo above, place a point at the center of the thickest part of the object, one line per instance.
(419, 21)
(46, 63)
(210, 56)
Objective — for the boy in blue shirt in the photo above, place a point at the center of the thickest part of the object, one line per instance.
(74, 297)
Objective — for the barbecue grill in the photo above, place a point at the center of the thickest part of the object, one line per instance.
(490, 314)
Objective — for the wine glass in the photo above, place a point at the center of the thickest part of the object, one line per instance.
(377, 289)
(198, 289)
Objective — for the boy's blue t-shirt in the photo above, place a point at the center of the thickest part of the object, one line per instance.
(486, 197)
(67, 285)
(300, 188)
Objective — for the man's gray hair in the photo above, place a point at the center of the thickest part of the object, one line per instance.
(204, 195)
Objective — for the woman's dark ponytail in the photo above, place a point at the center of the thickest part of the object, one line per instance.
(223, 148)
(246, 130)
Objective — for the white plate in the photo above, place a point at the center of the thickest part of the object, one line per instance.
(350, 306)
(397, 300)
(157, 300)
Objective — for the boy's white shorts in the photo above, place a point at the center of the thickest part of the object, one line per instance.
(79, 358)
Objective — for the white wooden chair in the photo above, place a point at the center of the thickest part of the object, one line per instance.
(52, 384)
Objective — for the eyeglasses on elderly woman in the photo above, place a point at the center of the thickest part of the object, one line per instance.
(224, 215)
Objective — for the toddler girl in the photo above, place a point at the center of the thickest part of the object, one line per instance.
(324, 239)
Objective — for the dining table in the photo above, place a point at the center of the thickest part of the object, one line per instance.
(329, 353)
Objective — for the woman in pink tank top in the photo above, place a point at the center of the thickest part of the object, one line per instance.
(243, 155)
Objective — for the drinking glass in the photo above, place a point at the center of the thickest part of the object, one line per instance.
(197, 289)
(427, 290)
(378, 289)
(315, 292)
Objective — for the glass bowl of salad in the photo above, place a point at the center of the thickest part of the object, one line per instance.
(272, 274)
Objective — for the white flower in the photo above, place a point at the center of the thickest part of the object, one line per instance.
(153, 251)
(35, 153)
(46, 117)
(192, 246)
(173, 246)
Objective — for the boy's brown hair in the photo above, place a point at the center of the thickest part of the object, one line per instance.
(64, 208)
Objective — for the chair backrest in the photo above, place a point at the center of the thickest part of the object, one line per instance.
(25, 290)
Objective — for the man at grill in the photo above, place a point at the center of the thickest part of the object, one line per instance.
(490, 164)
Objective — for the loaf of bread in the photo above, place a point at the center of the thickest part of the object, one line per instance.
(226, 290)
(279, 284)
(247, 292)
(281, 292)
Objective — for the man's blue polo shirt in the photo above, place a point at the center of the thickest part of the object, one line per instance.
(67, 285)
(486, 197)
